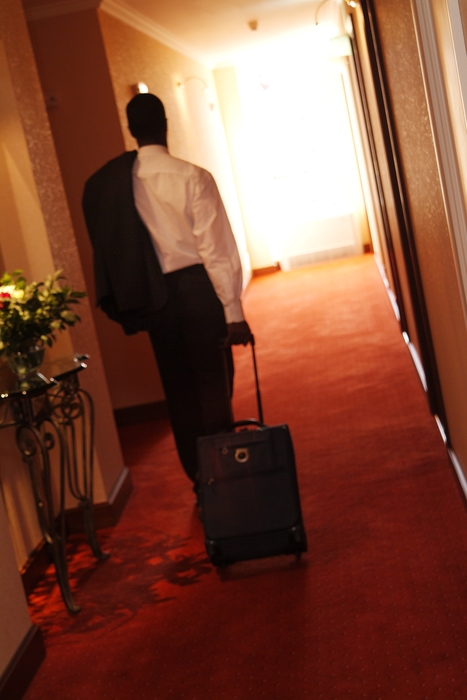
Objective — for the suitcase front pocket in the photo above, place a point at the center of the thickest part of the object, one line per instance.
(248, 482)
(238, 455)
(242, 458)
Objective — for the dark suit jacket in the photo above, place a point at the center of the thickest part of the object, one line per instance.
(130, 286)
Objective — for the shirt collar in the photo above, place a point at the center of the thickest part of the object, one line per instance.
(148, 159)
(152, 149)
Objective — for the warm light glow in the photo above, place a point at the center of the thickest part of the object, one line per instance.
(328, 18)
(141, 88)
(340, 46)
(301, 167)
(204, 89)
(325, 31)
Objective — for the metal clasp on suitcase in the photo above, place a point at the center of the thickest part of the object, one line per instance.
(242, 454)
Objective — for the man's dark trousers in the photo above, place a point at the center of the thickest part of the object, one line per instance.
(186, 338)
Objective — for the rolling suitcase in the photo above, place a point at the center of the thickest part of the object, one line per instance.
(248, 491)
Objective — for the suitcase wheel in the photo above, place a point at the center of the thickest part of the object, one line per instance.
(297, 538)
(214, 554)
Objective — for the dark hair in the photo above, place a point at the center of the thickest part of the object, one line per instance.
(146, 116)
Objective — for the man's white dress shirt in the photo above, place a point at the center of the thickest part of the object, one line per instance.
(181, 207)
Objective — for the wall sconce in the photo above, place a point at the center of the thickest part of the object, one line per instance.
(193, 77)
(140, 88)
(318, 8)
(334, 22)
(205, 89)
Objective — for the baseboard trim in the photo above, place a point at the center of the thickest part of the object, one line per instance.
(35, 567)
(23, 667)
(105, 514)
(416, 360)
(390, 293)
(266, 270)
(459, 472)
(132, 415)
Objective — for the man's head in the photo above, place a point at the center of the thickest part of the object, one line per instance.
(146, 119)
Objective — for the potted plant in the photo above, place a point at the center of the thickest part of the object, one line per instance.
(30, 316)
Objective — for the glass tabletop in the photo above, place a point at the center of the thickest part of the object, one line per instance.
(50, 373)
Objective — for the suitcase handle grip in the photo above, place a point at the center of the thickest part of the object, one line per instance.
(259, 403)
(258, 392)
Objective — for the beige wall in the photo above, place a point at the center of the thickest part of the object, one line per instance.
(87, 132)
(233, 121)
(36, 235)
(427, 211)
(195, 129)
(258, 142)
(89, 61)
(47, 235)
(14, 617)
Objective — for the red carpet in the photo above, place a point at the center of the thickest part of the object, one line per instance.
(377, 608)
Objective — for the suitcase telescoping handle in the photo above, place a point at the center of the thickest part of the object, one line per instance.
(258, 392)
(259, 403)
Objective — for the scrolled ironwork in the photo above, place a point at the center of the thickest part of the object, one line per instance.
(26, 440)
(65, 400)
(57, 417)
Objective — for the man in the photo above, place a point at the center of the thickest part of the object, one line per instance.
(165, 261)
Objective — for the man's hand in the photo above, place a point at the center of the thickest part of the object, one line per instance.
(238, 334)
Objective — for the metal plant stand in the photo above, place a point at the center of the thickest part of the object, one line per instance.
(51, 411)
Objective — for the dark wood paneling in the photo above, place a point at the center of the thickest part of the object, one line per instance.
(379, 184)
(406, 233)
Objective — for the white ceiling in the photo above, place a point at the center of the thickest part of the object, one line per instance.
(219, 29)
(213, 31)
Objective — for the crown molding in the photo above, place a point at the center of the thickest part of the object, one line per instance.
(120, 10)
(61, 7)
(126, 14)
